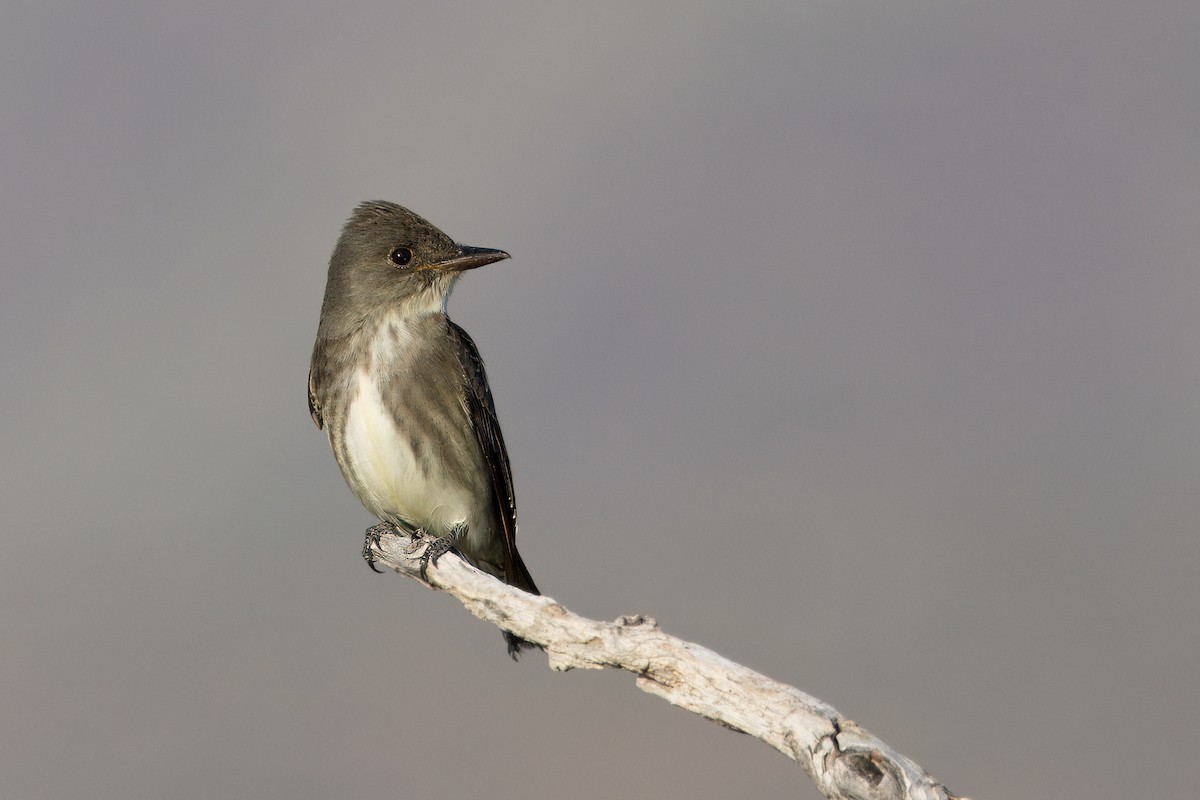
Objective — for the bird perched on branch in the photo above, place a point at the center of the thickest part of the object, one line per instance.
(402, 393)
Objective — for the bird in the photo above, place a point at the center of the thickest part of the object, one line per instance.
(402, 394)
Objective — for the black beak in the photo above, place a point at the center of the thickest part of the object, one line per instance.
(469, 258)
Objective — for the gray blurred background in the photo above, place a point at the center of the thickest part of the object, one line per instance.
(856, 341)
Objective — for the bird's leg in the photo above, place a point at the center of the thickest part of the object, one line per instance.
(372, 539)
(436, 548)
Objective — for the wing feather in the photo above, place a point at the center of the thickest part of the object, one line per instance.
(487, 432)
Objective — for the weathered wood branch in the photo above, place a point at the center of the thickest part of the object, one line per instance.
(843, 760)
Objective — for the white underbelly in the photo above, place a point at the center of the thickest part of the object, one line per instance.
(384, 471)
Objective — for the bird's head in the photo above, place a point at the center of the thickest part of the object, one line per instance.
(390, 258)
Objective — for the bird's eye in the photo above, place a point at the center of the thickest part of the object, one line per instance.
(400, 256)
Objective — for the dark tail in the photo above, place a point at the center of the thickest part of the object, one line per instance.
(518, 575)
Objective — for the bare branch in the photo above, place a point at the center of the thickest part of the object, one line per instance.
(843, 760)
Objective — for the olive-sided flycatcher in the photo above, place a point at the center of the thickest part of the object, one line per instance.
(401, 392)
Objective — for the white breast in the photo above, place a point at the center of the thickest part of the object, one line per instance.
(383, 469)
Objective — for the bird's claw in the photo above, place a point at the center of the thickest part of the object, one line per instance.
(371, 541)
(434, 547)
(419, 540)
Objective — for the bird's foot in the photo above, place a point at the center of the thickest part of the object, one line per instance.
(371, 539)
(418, 540)
(434, 547)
